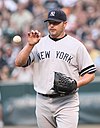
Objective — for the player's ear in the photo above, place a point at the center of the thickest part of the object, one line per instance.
(65, 24)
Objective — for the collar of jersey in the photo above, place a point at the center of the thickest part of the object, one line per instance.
(56, 39)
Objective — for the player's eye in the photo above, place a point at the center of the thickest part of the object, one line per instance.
(53, 23)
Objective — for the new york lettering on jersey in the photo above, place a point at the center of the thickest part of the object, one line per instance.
(59, 55)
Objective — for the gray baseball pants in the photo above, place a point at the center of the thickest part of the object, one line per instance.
(60, 112)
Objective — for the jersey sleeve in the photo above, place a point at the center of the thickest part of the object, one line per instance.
(31, 57)
(85, 62)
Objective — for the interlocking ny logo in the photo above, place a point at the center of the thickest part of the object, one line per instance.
(52, 14)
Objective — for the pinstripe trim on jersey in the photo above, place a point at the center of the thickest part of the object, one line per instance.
(89, 69)
(28, 62)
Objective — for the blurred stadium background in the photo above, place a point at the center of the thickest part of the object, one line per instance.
(17, 95)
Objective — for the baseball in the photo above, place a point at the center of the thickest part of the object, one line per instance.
(17, 39)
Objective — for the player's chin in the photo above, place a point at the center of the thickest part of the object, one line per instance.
(53, 33)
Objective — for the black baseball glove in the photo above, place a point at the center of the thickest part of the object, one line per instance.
(64, 84)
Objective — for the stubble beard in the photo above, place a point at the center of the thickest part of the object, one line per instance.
(56, 34)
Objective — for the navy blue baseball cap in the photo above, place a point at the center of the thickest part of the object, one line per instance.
(56, 15)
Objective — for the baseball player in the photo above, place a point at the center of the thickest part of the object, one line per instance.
(63, 54)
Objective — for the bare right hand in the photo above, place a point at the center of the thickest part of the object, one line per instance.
(33, 37)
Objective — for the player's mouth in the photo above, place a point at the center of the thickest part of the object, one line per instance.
(52, 30)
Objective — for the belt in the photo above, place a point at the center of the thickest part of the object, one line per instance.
(52, 95)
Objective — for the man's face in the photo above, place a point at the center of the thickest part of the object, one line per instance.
(56, 29)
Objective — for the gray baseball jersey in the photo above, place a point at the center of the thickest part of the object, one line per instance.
(67, 55)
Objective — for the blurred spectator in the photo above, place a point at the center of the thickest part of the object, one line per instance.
(24, 75)
(21, 16)
(94, 53)
(3, 61)
(9, 56)
(39, 13)
(69, 3)
(8, 4)
(5, 16)
(52, 4)
(92, 15)
(5, 73)
(98, 43)
(11, 51)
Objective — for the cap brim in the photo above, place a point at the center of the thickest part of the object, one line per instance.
(51, 19)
